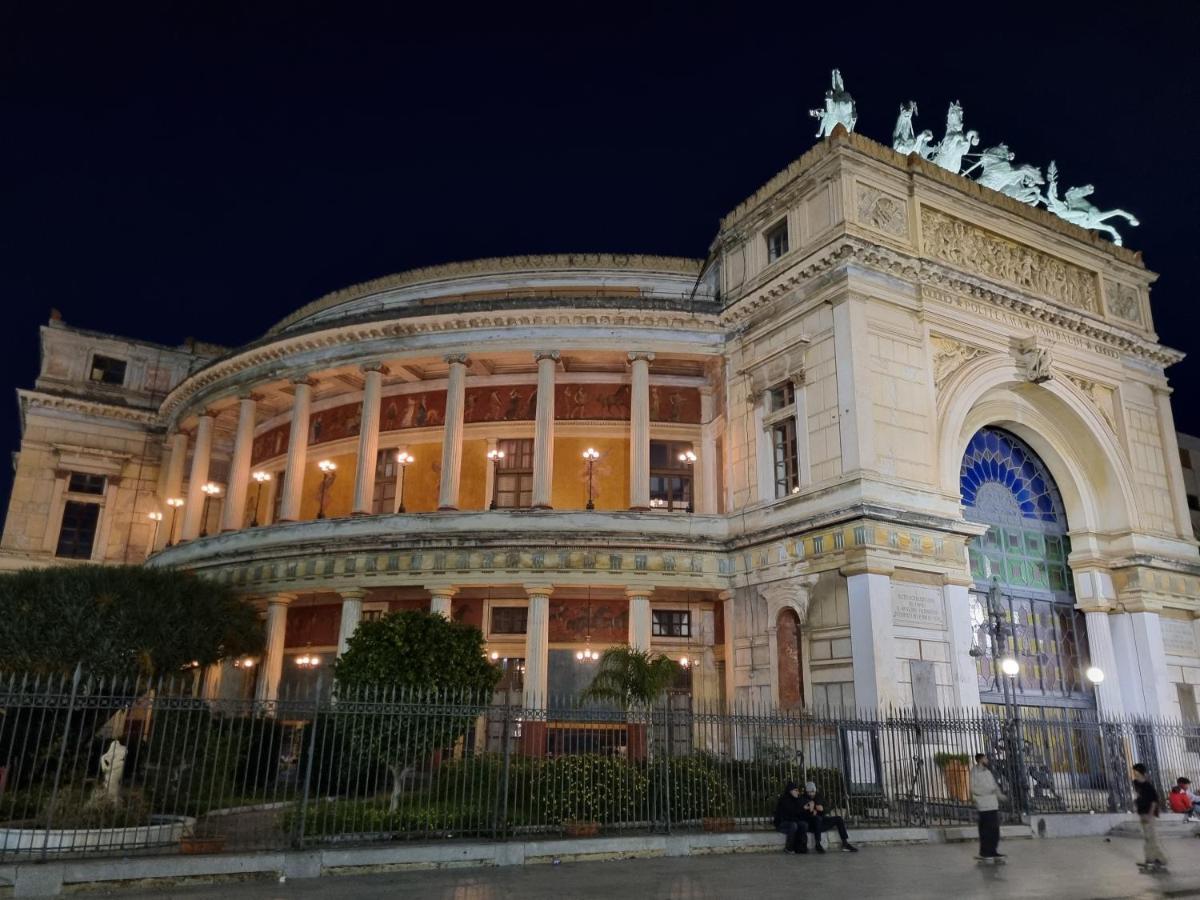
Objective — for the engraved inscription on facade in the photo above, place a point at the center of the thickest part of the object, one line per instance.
(967, 247)
(881, 211)
(1178, 637)
(917, 605)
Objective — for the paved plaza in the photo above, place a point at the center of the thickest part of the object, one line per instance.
(1067, 869)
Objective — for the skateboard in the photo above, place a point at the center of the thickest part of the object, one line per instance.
(1152, 868)
(991, 860)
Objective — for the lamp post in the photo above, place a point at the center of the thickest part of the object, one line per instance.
(260, 477)
(404, 459)
(155, 517)
(590, 455)
(1010, 668)
(210, 490)
(174, 503)
(327, 467)
(688, 458)
(495, 456)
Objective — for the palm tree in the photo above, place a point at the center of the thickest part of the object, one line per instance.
(632, 678)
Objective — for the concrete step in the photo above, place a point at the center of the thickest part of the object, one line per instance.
(1168, 826)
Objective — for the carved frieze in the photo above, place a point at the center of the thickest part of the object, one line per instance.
(881, 211)
(949, 356)
(973, 249)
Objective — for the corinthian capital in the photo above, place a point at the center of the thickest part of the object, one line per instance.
(452, 358)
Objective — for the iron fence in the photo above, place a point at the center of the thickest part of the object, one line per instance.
(90, 766)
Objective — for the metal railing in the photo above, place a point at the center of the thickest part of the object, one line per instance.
(92, 766)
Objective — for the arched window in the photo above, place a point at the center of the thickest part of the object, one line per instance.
(1006, 486)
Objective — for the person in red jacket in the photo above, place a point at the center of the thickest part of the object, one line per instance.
(1183, 800)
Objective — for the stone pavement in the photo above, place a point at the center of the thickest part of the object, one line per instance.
(1064, 869)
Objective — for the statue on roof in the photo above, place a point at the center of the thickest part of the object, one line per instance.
(956, 142)
(839, 108)
(1077, 209)
(904, 140)
(997, 172)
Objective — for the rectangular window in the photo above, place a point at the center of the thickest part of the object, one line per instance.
(670, 476)
(85, 483)
(777, 241)
(1193, 502)
(384, 499)
(1187, 711)
(510, 619)
(834, 696)
(783, 449)
(277, 502)
(782, 396)
(373, 612)
(107, 370)
(671, 623)
(78, 532)
(514, 475)
(1185, 458)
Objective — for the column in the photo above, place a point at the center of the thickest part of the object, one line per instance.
(639, 616)
(173, 488)
(368, 442)
(872, 641)
(1137, 645)
(440, 598)
(855, 405)
(706, 501)
(211, 685)
(271, 670)
(234, 512)
(1174, 467)
(297, 455)
(543, 434)
(193, 510)
(957, 597)
(639, 431)
(803, 455)
(537, 645)
(726, 599)
(1104, 656)
(452, 434)
(352, 601)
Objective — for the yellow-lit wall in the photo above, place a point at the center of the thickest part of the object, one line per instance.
(339, 497)
(472, 483)
(422, 481)
(611, 479)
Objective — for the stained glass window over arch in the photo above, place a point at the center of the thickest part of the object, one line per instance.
(1006, 486)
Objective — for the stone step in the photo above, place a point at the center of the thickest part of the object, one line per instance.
(1168, 826)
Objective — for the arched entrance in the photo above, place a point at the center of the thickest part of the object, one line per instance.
(790, 664)
(1006, 486)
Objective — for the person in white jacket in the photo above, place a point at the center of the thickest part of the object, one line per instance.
(987, 796)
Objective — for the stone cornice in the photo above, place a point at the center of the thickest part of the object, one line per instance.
(39, 399)
(493, 266)
(278, 350)
(854, 250)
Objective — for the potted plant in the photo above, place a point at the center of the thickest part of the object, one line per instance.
(581, 828)
(956, 771)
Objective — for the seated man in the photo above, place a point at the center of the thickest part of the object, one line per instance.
(817, 821)
(1183, 800)
(789, 818)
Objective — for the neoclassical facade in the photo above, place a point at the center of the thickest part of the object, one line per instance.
(886, 391)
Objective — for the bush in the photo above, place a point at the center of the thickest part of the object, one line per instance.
(78, 807)
(689, 788)
(590, 788)
(941, 760)
(416, 816)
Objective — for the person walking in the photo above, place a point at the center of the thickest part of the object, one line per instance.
(815, 817)
(790, 820)
(1147, 805)
(987, 796)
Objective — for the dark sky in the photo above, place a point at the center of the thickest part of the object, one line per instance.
(204, 169)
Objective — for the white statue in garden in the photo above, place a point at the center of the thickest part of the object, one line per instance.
(839, 108)
(1077, 209)
(112, 770)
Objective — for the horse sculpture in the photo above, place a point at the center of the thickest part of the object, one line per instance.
(1019, 182)
(1077, 209)
(905, 141)
(956, 143)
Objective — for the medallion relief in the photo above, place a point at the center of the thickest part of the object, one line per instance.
(882, 212)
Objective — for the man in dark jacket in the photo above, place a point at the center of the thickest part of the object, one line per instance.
(789, 819)
(1146, 803)
(817, 819)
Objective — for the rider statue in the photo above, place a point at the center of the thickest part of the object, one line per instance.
(956, 143)
(1077, 209)
(839, 108)
(903, 139)
(1019, 182)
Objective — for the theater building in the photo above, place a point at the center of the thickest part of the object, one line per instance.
(885, 392)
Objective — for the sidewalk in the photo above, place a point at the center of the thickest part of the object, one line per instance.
(1064, 869)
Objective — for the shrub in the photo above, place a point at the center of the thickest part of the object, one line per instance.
(589, 788)
(941, 760)
(689, 787)
(79, 807)
(415, 816)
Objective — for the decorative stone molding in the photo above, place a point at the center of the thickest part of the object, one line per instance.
(460, 358)
(1033, 360)
(794, 592)
(949, 356)
(973, 249)
(1122, 301)
(881, 211)
(1100, 396)
(38, 400)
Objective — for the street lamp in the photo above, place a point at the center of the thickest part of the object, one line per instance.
(174, 503)
(308, 660)
(327, 467)
(688, 458)
(1011, 668)
(210, 490)
(260, 477)
(1094, 674)
(155, 517)
(495, 456)
(590, 455)
(404, 459)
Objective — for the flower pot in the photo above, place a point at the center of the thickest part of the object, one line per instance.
(202, 844)
(717, 823)
(581, 829)
(957, 775)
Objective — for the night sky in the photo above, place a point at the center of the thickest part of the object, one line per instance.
(204, 169)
